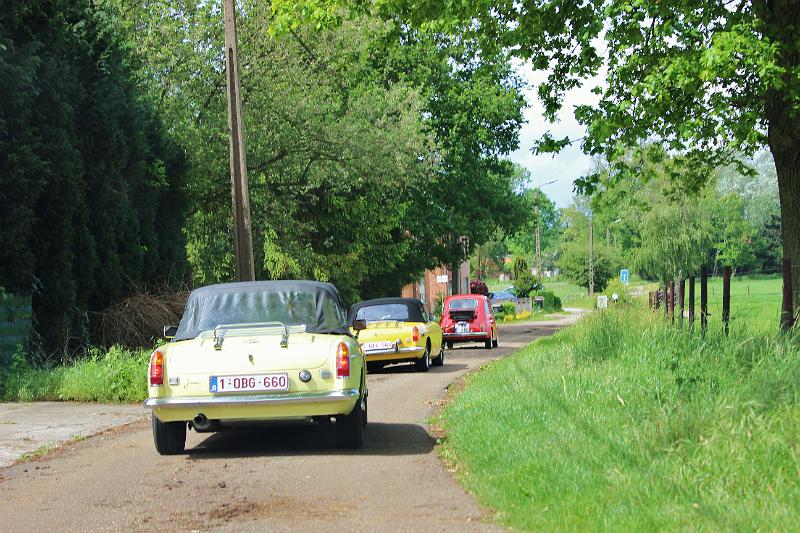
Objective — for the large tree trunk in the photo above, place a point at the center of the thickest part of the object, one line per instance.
(782, 21)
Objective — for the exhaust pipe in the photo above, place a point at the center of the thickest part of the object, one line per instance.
(201, 422)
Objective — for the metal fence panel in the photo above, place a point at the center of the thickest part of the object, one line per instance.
(16, 319)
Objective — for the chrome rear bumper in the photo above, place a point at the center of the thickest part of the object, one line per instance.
(251, 399)
(468, 334)
(387, 351)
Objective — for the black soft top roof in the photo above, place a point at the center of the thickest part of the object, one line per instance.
(315, 304)
(412, 304)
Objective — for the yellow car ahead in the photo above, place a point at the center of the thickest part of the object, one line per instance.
(264, 350)
(397, 330)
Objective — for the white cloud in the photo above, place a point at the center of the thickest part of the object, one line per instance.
(570, 163)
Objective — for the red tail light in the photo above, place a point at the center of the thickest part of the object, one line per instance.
(415, 334)
(156, 368)
(342, 361)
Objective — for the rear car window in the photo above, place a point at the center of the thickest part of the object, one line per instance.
(466, 304)
(374, 313)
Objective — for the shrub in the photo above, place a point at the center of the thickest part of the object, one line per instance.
(616, 286)
(519, 266)
(506, 312)
(478, 287)
(550, 302)
(526, 283)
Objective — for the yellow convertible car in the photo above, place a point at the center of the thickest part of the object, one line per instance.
(265, 350)
(397, 330)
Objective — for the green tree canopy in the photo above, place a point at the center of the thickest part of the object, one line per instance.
(706, 80)
(91, 200)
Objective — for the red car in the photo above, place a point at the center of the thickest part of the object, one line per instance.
(468, 318)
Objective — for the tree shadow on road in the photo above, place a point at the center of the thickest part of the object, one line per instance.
(409, 368)
(311, 439)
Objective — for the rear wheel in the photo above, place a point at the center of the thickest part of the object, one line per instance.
(449, 345)
(169, 437)
(494, 343)
(424, 362)
(350, 427)
(488, 344)
(439, 361)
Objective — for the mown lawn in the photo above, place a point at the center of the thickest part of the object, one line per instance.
(622, 424)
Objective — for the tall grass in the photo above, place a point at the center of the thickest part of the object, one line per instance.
(621, 423)
(116, 375)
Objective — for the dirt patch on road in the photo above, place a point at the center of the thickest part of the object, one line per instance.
(275, 507)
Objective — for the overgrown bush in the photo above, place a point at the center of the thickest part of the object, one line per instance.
(115, 375)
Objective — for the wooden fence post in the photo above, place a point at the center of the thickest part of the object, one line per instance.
(681, 291)
(691, 302)
(703, 300)
(666, 303)
(726, 298)
(672, 301)
(787, 309)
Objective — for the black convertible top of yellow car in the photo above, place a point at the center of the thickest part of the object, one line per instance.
(400, 309)
(313, 304)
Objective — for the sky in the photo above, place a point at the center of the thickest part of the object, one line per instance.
(571, 162)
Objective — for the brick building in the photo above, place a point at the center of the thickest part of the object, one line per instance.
(429, 286)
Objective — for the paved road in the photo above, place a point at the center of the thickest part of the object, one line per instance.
(275, 478)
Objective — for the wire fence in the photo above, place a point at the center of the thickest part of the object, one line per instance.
(16, 321)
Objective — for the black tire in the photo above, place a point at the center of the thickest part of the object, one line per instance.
(494, 342)
(424, 363)
(449, 345)
(439, 361)
(169, 437)
(350, 427)
(488, 344)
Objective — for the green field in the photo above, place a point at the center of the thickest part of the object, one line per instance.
(755, 300)
(621, 423)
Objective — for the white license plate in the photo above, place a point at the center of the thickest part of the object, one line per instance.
(249, 383)
(382, 345)
(462, 327)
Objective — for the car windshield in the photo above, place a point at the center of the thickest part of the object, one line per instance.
(463, 304)
(292, 304)
(374, 313)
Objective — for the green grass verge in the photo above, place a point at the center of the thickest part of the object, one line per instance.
(620, 423)
(116, 375)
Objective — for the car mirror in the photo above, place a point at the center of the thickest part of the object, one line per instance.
(170, 332)
(359, 324)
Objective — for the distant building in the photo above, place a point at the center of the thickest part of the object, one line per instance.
(437, 282)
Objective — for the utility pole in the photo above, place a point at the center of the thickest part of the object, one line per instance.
(591, 258)
(538, 245)
(242, 231)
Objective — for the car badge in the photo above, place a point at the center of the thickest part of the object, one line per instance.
(252, 360)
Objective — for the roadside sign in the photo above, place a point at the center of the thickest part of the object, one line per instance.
(624, 276)
(602, 302)
(444, 278)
